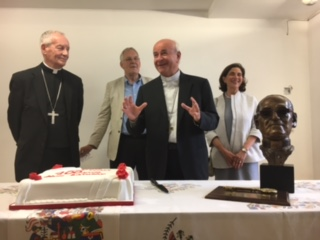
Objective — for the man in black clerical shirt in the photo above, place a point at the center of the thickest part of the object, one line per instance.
(175, 109)
(45, 107)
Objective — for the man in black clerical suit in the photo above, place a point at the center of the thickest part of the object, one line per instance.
(175, 109)
(45, 107)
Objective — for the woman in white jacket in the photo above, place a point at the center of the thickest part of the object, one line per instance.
(235, 152)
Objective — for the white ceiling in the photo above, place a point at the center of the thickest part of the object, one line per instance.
(258, 9)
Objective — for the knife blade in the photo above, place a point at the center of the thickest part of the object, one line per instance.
(159, 186)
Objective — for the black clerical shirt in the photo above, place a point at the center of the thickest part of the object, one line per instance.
(57, 134)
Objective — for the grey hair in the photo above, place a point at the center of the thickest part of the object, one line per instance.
(46, 37)
(126, 50)
(177, 46)
(175, 43)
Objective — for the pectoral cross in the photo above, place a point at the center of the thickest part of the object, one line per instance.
(53, 115)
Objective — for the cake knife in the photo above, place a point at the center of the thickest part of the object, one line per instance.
(159, 186)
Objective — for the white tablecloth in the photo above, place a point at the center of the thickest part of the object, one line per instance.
(184, 213)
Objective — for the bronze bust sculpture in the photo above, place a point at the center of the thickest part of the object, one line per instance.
(275, 118)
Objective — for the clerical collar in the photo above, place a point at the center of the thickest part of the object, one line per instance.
(50, 69)
(171, 81)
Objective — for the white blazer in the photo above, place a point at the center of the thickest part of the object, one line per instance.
(243, 109)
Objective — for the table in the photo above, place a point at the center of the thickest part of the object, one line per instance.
(184, 213)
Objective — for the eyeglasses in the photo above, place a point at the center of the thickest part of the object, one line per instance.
(281, 112)
(135, 59)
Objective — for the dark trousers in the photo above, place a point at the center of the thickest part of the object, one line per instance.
(132, 152)
(53, 156)
(174, 171)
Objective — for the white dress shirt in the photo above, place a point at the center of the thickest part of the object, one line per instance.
(171, 93)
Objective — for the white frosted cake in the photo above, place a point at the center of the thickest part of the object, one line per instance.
(70, 185)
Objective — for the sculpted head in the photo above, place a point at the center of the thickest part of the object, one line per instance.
(275, 118)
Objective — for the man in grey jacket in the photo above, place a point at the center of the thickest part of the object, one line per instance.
(122, 147)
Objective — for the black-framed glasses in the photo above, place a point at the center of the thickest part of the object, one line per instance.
(281, 112)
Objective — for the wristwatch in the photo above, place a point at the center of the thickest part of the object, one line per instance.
(244, 150)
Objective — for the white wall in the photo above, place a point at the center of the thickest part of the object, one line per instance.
(314, 50)
(273, 60)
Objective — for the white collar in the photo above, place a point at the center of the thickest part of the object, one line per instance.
(171, 81)
(54, 71)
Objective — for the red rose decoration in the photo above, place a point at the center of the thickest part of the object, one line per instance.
(122, 165)
(122, 173)
(57, 166)
(35, 176)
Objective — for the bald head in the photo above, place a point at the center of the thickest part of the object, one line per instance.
(166, 57)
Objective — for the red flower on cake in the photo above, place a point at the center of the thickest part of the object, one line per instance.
(34, 176)
(122, 173)
(57, 166)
